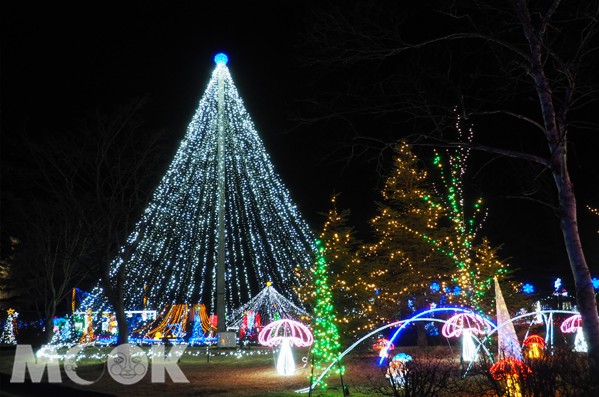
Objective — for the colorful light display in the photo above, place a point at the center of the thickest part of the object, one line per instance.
(173, 248)
(171, 324)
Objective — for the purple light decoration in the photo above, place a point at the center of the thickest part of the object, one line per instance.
(571, 324)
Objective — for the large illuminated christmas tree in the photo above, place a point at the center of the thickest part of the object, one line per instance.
(221, 223)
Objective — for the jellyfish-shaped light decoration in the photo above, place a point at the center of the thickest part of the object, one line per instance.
(573, 324)
(511, 371)
(534, 345)
(396, 373)
(466, 325)
(285, 333)
(383, 346)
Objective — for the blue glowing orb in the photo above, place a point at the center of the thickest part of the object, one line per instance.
(528, 289)
(457, 290)
(595, 282)
(435, 287)
(221, 58)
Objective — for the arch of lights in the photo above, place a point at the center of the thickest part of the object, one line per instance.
(403, 324)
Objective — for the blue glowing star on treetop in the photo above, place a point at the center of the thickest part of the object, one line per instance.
(221, 58)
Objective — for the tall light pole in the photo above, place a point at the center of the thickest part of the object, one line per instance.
(221, 60)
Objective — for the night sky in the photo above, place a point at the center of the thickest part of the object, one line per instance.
(60, 61)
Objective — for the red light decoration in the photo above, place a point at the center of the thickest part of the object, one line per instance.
(383, 343)
(534, 340)
(509, 368)
(534, 345)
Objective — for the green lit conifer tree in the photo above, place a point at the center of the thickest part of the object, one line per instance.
(326, 348)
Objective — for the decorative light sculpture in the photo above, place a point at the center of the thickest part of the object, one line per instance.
(88, 333)
(507, 339)
(397, 369)
(285, 333)
(466, 325)
(534, 344)
(511, 371)
(383, 346)
(528, 288)
(270, 305)
(172, 324)
(573, 324)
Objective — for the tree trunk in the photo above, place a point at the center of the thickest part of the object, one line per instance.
(114, 293)
(421, 339)
(585, 293)
(49, 324)
(121, 319)
(556, 135)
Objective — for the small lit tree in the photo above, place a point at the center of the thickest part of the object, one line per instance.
(9, 331)
(326, 348)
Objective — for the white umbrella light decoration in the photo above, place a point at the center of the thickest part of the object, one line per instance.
(286, 333)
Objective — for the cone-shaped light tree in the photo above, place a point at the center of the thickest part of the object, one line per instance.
(221, 223)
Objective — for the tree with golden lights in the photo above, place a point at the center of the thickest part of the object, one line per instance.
(341, 247)
(348, 289)
(402, 262)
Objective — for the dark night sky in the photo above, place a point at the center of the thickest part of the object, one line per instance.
(60, 61)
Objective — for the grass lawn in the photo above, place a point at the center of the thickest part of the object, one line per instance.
(214, 375)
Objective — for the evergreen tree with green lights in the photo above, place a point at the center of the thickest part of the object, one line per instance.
(326, 347)
(476, 261)
(341, 246)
